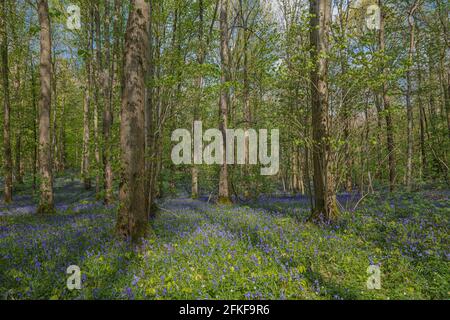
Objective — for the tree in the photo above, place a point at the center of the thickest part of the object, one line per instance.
(97, 94)
(7, 157)
(45, 162)
(387, 102)
(409, 108)
(107, 73)
(224, 193)
(132, 216)
(149, 114)
(200, 60)
(85, 164)
(324, 193)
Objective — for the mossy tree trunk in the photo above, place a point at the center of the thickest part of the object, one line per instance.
(7, 157)
(324, 185)
(46, 205)
(224, 193)
(132, 216)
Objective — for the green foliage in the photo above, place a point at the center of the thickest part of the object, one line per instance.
(201, 251)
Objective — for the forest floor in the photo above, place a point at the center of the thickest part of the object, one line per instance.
(196, 250)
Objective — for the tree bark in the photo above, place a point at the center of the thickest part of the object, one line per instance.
(85, 165)
(246, 96)
(97, 94)
(35, 124)
(224, 194)
(149, 125)
(409, 107)
(7, 156)
(325, 209)
(387, 106)
(445, 78)
(154, 112)
(423, 124)
(378, 106)
(107, 112)
(132, 216)
(200, 60)
(46, 205)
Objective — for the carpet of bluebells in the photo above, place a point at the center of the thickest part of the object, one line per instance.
(266, 249)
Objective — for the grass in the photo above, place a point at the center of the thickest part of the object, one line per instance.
(195, 250)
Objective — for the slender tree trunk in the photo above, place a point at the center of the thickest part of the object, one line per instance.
(348, 158)
(379, 171)
(85, 165)
(387, 107)
(365, 168)
(200, 60)
(325, 197)
(445, 78)
(107, 112)
(300, 182)
(45, 164)
(346, 110)
(224, 194)
(132, 216)
(154, 115)
(35, 123)
(62, 139)
(97, 92)
(246, 96)
(54, 114)
(18, 86)
(19, 177)
(409, 107)
(423, 124)
(149, 126)
(7, 157)
(307, 171)
(295, 170)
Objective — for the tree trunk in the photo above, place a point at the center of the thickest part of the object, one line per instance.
(85, 165)
(246, 96)
(7, 156)
(224, 194)
(445, 78)
(324, 190)
(200, 60)
(409, 107)
(35, 123)
(107, 112)
(295, 170)
(154, 114)
(62, 139)
(307, 175)
(149, 126)
(19, 176)
(54, 114)
(387, 107)
(97, 92)
(348, 158)
(379, 171)
(132, 216)
(46, 205)
(17, 84)
(423, 124)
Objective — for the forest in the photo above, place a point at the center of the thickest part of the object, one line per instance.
(225, 149)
